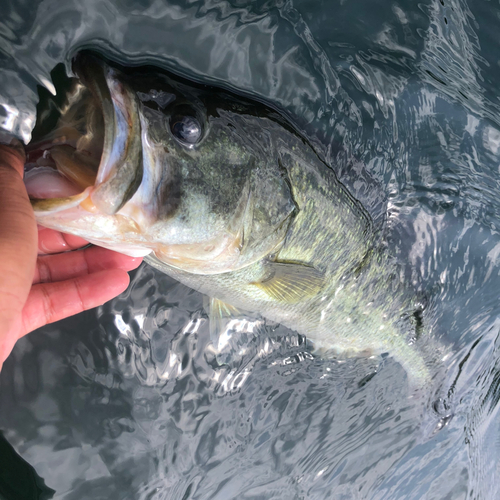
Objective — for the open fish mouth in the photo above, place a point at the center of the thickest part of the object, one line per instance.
(93, 158)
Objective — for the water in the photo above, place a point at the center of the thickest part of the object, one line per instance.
(129, 402)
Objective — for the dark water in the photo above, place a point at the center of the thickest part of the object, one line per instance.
(128, 401)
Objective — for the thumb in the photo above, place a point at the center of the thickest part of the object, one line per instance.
(18, 245)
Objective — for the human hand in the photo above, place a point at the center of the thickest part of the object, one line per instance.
(40, 287)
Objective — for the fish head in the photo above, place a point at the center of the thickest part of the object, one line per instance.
(142, 162)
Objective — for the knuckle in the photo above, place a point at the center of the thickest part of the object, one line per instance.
(79, 293)
(49, 308)
(44, 271)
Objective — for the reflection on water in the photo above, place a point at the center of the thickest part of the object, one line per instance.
(130, 400)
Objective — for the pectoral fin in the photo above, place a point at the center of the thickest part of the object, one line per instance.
(290, 283)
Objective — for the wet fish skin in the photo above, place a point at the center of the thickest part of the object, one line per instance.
(248, 215)
(356, 306)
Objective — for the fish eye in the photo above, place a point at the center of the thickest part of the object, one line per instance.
(186, 129)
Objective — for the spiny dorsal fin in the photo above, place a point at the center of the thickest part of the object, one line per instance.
(290, 282)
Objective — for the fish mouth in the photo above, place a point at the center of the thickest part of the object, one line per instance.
(93, 158)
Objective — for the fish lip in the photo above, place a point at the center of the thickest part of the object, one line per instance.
(119, 156)
(120, 170)
(75, 138)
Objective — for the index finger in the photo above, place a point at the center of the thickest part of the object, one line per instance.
(51, 241)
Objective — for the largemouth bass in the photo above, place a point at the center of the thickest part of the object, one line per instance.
(223, 195)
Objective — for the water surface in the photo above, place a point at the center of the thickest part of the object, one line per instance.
(128, 401)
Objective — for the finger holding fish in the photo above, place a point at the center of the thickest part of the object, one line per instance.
(50, 302)
(73, 281)
(50, 241)
(69, 265)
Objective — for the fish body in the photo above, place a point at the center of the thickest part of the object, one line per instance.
(224, 196)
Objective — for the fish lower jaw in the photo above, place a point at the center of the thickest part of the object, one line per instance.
(130, 250)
